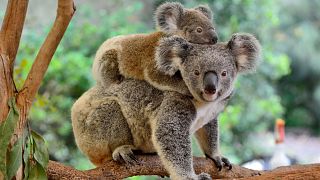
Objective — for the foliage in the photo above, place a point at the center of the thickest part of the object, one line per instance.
(36, 156)
(8, 163)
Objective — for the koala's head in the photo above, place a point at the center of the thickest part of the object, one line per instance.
(194, 25)
(208, 70)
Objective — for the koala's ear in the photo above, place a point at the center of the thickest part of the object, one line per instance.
(170, 54)
(247, 51)
(168, 15)
(205, 10)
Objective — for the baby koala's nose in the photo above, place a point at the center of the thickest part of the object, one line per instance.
(214, 40)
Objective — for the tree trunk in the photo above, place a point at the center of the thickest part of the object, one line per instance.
(10, 35)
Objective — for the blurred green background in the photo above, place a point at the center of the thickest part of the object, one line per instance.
(286, 85)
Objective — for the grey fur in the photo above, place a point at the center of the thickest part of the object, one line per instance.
(205, 9)
(133, 115)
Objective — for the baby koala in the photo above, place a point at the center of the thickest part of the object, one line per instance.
(109, 123)
(132, 56)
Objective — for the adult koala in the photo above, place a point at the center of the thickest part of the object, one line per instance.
(133, 115)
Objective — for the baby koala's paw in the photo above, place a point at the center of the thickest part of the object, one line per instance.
(220, 161)
(124, 153)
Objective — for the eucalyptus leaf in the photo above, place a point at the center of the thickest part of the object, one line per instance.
(36, 172)
(14, 159)
(6, 131)
(41, 153)
(26, 155)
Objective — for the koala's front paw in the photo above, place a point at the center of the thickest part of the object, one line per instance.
(219, 161)
(204, 176)
(125, 153)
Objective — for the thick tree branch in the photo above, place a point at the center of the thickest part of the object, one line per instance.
(12, 26)
(10, 35)
(150, 165)
(65, 12)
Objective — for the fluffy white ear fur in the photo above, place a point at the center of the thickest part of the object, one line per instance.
(170, 52)
(247, 51)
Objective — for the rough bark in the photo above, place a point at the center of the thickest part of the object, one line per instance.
(10, 35)
(150, 165)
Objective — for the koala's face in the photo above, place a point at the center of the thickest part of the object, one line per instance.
(208, 70)
(197, 28)
(195, 25)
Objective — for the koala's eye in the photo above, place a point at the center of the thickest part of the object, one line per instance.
(196, 72)
(199, 30)
(224, 73)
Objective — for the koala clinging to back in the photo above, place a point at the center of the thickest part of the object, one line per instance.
(109, 123)
(132, 56)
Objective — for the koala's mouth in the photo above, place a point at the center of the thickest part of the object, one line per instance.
(210, 97)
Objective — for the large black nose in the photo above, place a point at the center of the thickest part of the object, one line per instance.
(214, 39)
(210, 82)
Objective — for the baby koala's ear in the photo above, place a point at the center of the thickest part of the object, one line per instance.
(168, 15)
(170, 54)
(205, 10)
(247, 51)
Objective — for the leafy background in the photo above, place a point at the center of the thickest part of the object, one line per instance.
(286, 85)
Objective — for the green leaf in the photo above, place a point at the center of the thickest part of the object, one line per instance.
(6, 131)
(26, 155)
(14, 159)
(37, 172)
(41, 153)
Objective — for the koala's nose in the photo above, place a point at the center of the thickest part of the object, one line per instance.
(214, 39)
(210, 82)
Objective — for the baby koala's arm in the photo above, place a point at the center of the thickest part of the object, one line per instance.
(165, 82)
(208, 138)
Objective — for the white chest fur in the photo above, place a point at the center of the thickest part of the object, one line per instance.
(206, 111)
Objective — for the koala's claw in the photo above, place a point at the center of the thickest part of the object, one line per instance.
(204, 176)
(219, 161)
(125, 153)
(227, 163)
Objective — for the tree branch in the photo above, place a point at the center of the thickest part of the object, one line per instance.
(65, 12)
(10, 35)
(150, 165)
(12, 26)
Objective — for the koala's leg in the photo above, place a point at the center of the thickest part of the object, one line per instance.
(171, 137)
(105, 134)
(106, 71)
(208, 137)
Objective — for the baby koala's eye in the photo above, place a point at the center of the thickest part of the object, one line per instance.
(196, 72)
(224, 73)
(199, 30)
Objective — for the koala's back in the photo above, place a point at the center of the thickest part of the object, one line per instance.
(104, 119)
(135, 53)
